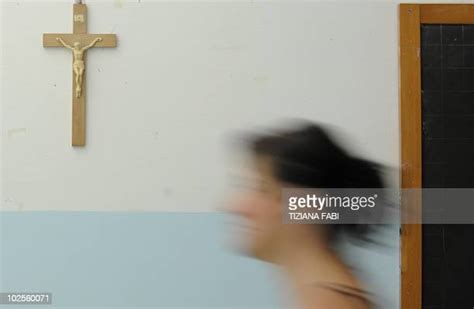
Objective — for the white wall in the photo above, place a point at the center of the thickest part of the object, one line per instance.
(184, 75)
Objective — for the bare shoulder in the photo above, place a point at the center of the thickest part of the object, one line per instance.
(322, 298)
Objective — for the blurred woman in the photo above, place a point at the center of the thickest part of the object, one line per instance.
(308, 158)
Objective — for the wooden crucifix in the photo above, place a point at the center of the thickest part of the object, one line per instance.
(79, 42)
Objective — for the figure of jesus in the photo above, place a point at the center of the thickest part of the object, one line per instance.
(78, 64)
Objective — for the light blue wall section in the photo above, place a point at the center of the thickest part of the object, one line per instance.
(130, 260)
(160, 260)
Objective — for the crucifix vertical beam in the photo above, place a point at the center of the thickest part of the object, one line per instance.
(79, 42)
(79, 104)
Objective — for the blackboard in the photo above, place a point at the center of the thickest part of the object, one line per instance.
(447, 56)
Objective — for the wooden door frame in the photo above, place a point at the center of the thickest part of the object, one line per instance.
(412, 16)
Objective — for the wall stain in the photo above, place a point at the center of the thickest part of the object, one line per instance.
(12, 204)
(16, 131)
(118, 3)
(261, 79)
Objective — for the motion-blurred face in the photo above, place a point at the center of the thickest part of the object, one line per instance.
(260, 211)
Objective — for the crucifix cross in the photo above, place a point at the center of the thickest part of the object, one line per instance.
(79, 42)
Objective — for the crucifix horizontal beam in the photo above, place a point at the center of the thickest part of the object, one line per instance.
(108, 40)
(79, 42)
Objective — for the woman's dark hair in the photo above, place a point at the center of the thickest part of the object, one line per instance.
(308, 157)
